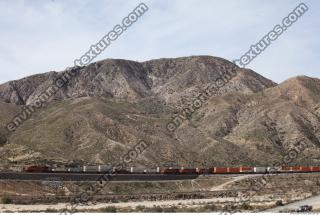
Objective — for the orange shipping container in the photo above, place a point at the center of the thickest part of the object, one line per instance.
(246, 169)
(286, 168)
(296, 168)
(316, 169)
(221, 170)
(234, 169)
(306, 169)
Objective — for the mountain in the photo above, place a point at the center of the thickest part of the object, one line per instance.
(108, 106)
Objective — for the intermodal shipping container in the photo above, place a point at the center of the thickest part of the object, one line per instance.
(90, 169)
(260, 169)
(286, 168)
(59, 169)
(105, 168)
(246, 169)
(296, 168)
(138, 170)
(218, 170)
(37, 169)
(306, 169)
(316, 169)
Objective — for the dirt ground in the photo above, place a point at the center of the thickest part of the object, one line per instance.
(207, 193)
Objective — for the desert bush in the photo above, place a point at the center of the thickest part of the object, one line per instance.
(6, 200)
(245, 206)
(51, 210)
(114, 201)
(3, 139)
(140, 208)
(279, 203)
(110, 209)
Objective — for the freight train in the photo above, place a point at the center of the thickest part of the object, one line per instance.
(171, 170)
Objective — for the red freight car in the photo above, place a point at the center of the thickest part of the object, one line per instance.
(234, 170)
(220, 170)
(316, 169)
(203, 171)
(286, 169)
(36, 169)
(188, 171)
(296, 168)
(169, 171)
(246, 169)
(306, 169)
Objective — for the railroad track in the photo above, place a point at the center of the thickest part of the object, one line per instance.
(25, 176)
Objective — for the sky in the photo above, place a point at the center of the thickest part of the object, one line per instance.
(38, 36)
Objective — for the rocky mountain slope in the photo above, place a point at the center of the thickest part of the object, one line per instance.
(108, 106)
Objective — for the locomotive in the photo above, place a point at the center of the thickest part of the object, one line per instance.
(171, 170)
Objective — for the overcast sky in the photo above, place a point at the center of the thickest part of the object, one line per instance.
(38, 36)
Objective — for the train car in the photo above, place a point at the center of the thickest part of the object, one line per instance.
(36, 169)
(234, 170)
(306, 169)
(286, 169)
(105, 168)
(169, 171)
(274, 170)
(220, 170)
(203, 171)
(154, 170)
(245, 169)
(90, 169)
(296, 168)
(74, 169)
(121, 171)
(188, 171)
(260, 170)
(315, 169)
(59, 169)
(138, 170)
